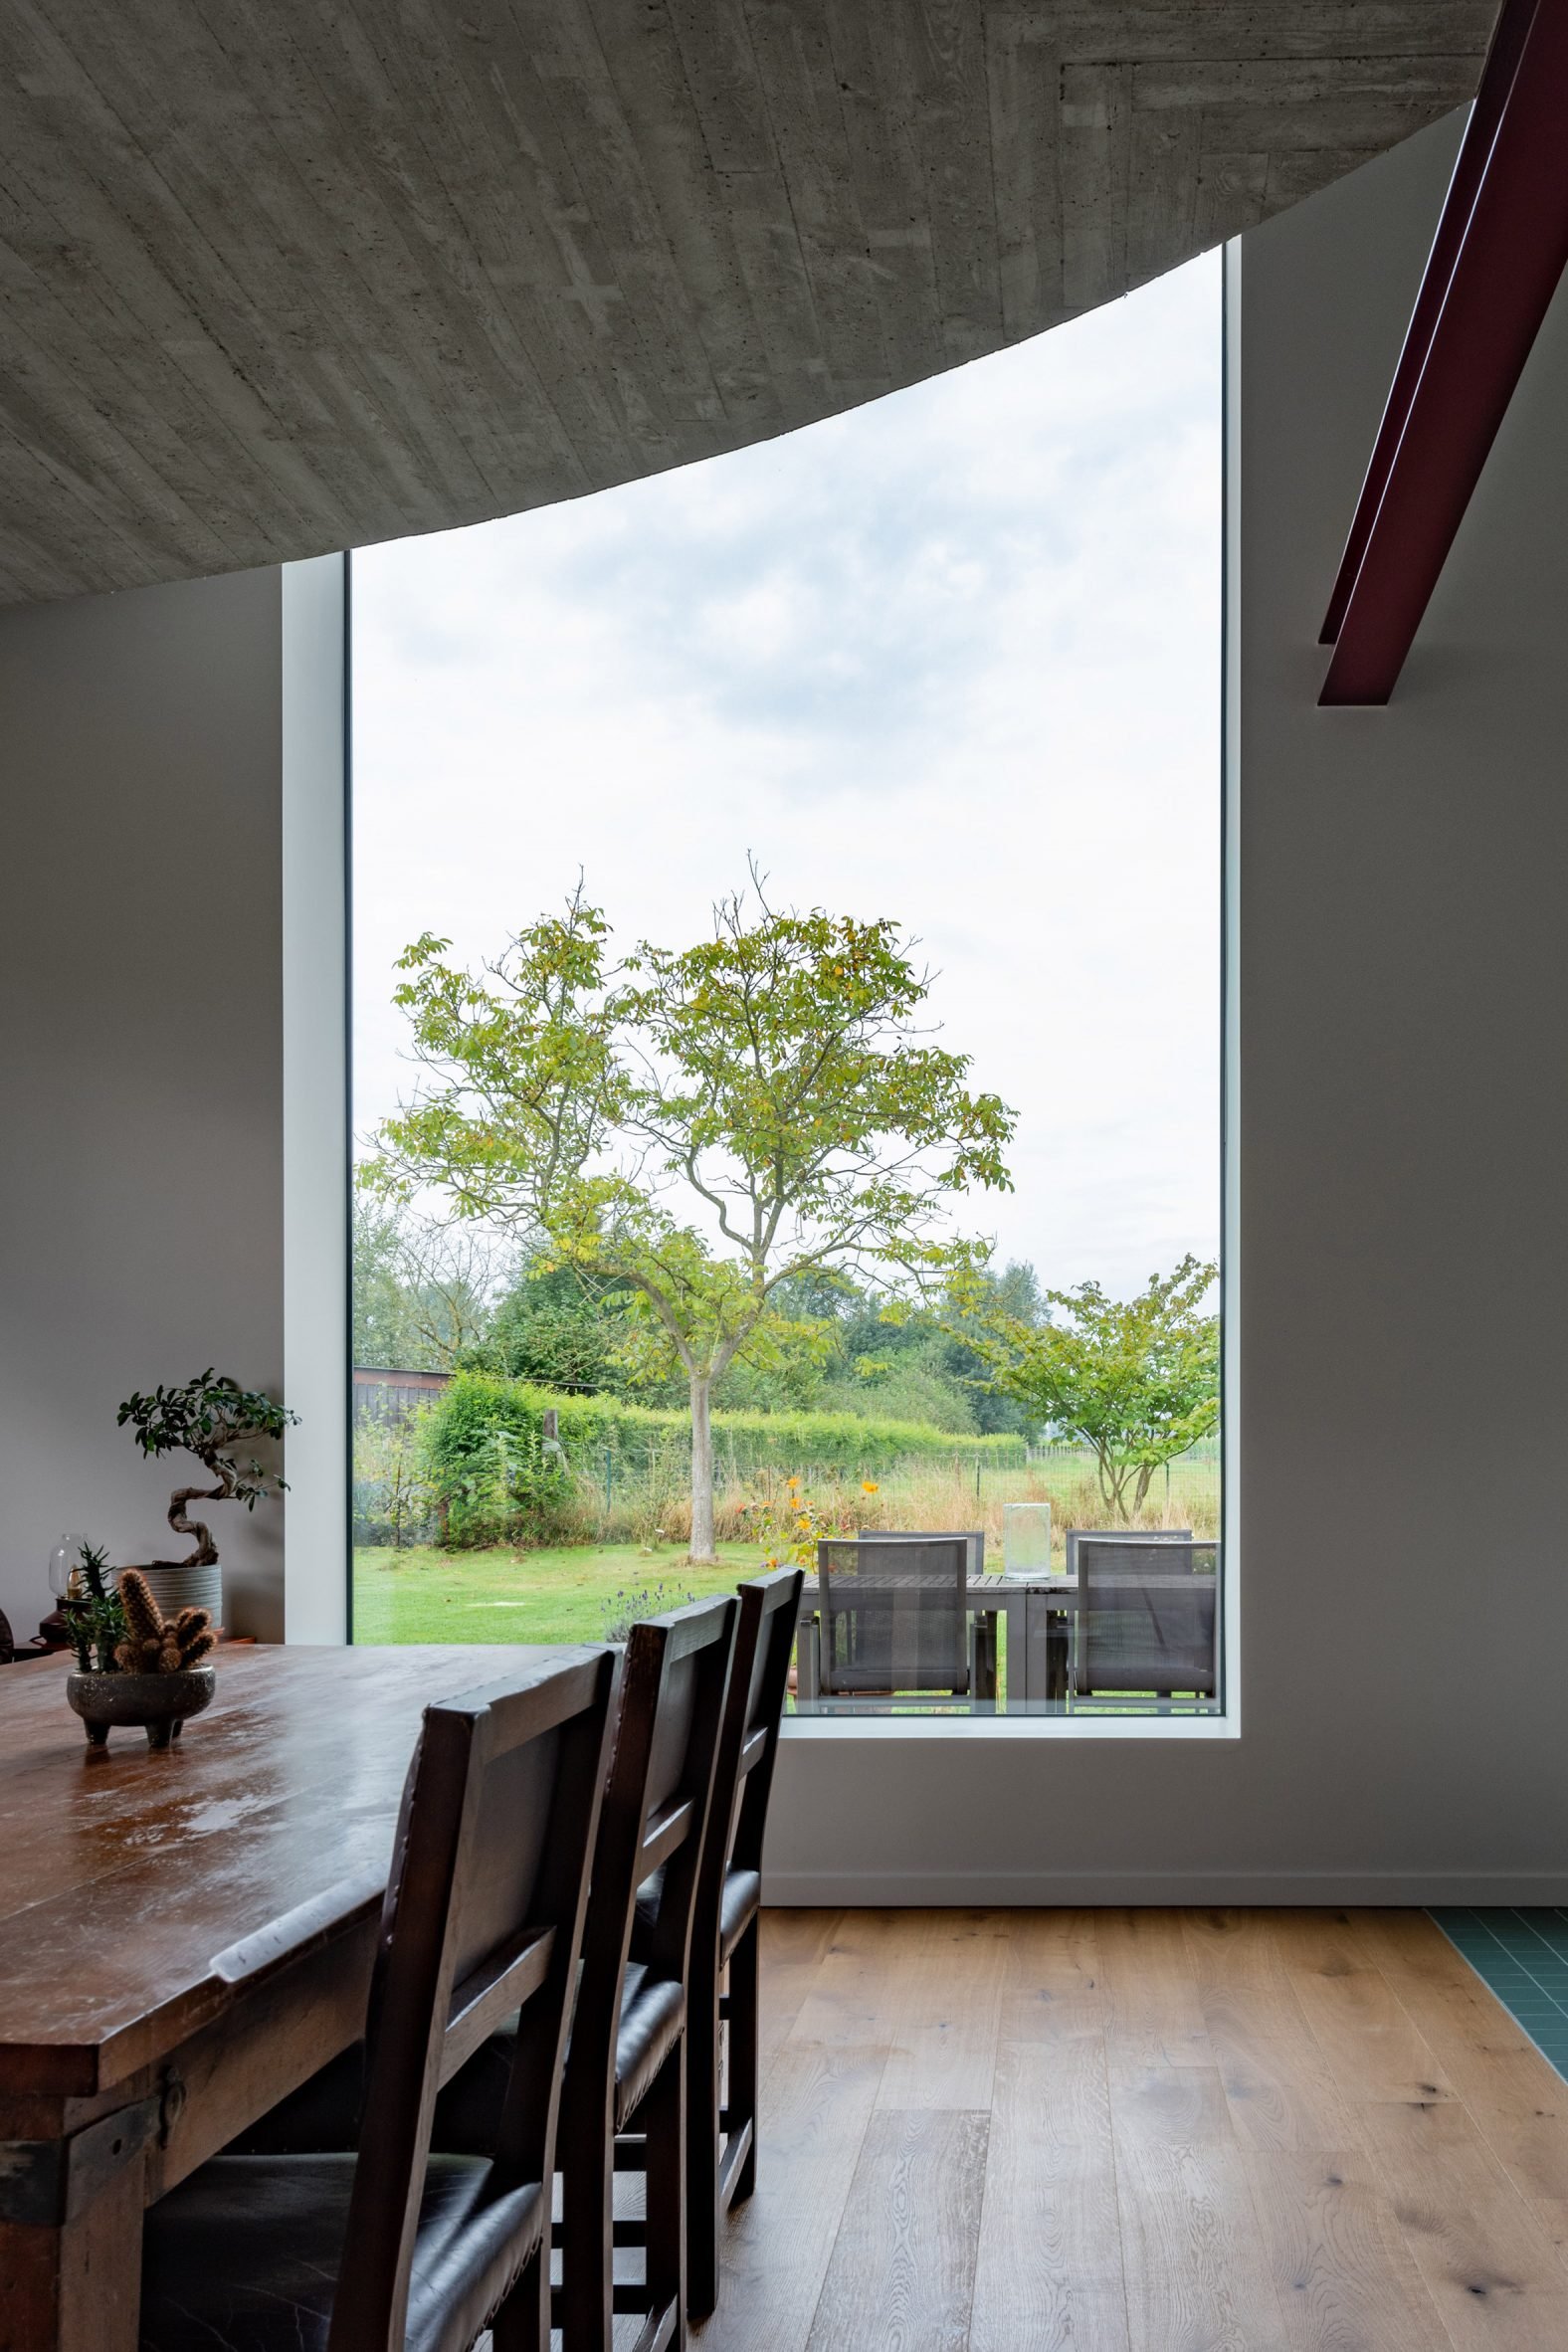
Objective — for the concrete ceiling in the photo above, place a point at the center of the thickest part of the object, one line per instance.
(283, 275)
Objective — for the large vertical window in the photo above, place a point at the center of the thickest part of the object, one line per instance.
(787, 1042)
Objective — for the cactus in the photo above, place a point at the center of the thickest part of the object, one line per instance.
(95, 1620)
(155, 1646)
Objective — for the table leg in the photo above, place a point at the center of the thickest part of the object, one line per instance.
(1057, 1639)
(808, 1677)
(76, 2287)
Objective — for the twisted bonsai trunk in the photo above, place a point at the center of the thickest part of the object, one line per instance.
(206, 1554)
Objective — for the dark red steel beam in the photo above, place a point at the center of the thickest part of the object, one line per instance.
(1502, 57)
(1492, 274)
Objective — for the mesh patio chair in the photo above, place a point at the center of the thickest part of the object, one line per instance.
(1072, 1535)
(1145, 1621)
(974, 1537)
(896, 1617)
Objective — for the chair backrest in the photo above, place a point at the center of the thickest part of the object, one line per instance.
(483, 1915)
(656, 1807)
(764, 1641)
(974, 1537)
(894, 1614)
(1146, 1615)
(1072, 1537)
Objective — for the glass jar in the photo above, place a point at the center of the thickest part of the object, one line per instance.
(65, 1564)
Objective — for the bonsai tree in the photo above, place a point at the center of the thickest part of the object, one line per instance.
(210, 1416)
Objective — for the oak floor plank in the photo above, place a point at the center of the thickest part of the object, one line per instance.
(1158, 2131)
(1343, 2274)
(1277, 2083)
(1151, 1995)
(1490, 2267)
(855, 1992)
(1515, 2097)
(816, 2102)
(1161, 2106)
(946, 2029)
(1373, 2047)
(791, 1938)
(901, 2276)
(1048, 2277)
(1198, 2276)
(794, 1946)
(1053, 1985)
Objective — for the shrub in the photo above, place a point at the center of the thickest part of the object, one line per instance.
(622, 1470)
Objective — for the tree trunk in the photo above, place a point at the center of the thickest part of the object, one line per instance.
(206, 1554)
(703, 1553)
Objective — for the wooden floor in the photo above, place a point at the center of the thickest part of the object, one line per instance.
(1145, 2131)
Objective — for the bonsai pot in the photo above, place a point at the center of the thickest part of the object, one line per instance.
(158, 1703)
(175, 1587)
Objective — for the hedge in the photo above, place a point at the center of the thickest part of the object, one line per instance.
(486, 1432)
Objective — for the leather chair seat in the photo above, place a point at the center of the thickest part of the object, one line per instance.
(245, 2254)
(739, 1906)
(653, 2014)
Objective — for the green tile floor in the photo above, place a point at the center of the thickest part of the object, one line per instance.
(1523, 1956)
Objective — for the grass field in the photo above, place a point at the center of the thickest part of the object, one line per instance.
(576, 1594)
(421, 1594)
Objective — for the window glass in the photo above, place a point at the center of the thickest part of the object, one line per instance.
(787, 1042)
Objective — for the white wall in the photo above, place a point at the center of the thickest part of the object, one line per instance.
(141, 1067)
(1403, 1264)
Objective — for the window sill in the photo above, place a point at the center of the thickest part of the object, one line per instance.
(1009, 1728)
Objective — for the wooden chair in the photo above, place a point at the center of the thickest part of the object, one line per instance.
(391, 2248)
(624, 2105)
(721, 2140)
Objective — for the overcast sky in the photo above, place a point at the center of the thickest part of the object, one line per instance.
(952, 658)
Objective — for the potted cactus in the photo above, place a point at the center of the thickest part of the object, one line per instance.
(134, 1666)
(211, 1416)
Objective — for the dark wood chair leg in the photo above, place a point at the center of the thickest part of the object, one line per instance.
(741, 2108)
(663, 2118)
(584, 2308)
(702, 2205)
(522, 2324)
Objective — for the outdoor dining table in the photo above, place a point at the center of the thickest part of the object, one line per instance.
(1038, 1612)
(1036, 1634)
(185, 1936)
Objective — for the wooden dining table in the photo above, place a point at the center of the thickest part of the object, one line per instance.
(185, 1936)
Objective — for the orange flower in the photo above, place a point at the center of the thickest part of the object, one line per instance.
(869, 1486)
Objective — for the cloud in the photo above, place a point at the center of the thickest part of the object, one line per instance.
(954, 657)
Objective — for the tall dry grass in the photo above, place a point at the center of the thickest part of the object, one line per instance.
(658, 1511)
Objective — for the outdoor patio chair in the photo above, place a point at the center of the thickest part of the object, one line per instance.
(1145, 1535)
(974, 1537)
(1145, 1619)
(896, 1618)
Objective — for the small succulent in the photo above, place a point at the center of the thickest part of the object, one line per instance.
(154, 1645)
(94, 1616)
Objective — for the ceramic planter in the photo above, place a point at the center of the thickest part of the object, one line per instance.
(176, 1587)
(156, 1704)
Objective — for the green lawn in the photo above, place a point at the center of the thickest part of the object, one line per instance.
(424, 1595)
